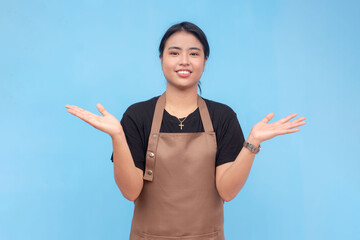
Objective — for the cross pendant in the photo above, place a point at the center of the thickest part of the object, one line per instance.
(181, 125)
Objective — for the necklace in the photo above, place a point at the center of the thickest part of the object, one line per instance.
(181, 125)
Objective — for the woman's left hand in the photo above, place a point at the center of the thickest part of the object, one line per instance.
(263, 130)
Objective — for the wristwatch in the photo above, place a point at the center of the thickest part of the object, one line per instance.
(251, 147)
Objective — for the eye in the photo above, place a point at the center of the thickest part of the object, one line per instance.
(174, 53)
(194, 54)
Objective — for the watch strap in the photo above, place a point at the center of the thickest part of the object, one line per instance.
(251, 147)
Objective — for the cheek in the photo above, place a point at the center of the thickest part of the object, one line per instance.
(167, 69)
(168, 65)
(199, 65)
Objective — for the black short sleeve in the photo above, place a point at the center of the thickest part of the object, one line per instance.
(133, 133)
(230, 140)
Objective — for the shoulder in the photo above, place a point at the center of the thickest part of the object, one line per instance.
(223, 117)
(142, 108)
(139, 114)
(219, 110)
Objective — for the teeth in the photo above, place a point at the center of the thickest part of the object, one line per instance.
(183, 72)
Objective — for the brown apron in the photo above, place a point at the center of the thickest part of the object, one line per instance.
(179, 199)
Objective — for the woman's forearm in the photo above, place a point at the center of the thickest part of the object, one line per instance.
(236, 175)
(127, 177)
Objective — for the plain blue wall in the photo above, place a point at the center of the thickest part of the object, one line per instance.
(56, 177)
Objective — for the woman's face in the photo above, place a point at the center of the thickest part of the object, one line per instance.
(183, 60)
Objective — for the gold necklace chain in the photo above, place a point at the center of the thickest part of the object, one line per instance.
(181, 125)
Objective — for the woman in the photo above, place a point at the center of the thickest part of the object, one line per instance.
(179, 156)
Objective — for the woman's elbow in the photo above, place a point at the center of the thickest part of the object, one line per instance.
(227, 198)
(131, 193)
(131, 198)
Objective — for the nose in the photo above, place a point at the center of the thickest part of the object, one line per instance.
(184, 59)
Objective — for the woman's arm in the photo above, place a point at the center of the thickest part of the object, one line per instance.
(127, 177)
(231, 177)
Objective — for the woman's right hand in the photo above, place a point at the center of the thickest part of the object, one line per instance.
(108, 123)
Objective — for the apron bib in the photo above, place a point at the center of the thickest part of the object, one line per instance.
(179, 199)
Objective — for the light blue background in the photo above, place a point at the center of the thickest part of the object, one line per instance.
(56, 177)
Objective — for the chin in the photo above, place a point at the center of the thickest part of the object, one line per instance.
(182, 86)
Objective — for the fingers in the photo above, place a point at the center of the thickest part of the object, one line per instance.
(78, 113)
(289, 127)
(82, 114)
(268, 117)
(101, 109)
(73, 107)
(296, 123)
(298, 120)
(286, 131)
(80, 110)
(287, 118)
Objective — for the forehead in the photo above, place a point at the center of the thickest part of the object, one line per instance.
(183, 39)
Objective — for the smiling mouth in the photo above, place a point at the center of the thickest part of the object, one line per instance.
(183, 73)
(184, 70)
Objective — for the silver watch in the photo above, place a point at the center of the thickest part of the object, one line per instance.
(251, 147)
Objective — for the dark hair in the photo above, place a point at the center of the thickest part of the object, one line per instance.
(190, 28)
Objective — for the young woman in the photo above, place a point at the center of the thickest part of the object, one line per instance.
(179, 156)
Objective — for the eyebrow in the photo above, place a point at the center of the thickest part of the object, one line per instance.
(179, 48)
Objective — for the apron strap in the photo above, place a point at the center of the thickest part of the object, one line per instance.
(154, 138)
(205, 116)
(155, 131)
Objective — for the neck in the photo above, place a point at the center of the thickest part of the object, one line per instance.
(180, 103)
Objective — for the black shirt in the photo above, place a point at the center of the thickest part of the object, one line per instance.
(137, 120)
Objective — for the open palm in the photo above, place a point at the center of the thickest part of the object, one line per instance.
(263, 130)
(106, 123)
